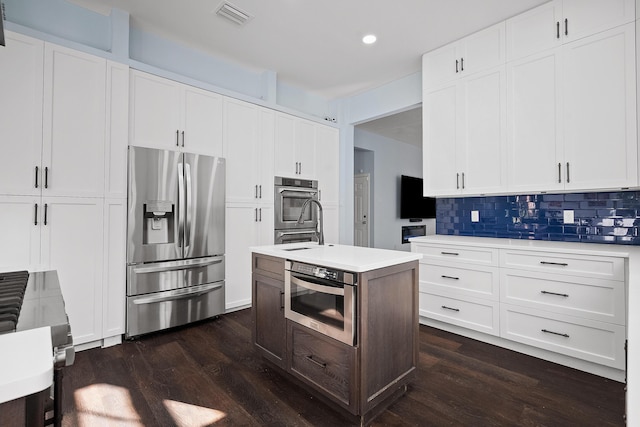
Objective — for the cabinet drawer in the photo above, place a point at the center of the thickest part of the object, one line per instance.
(481, 282)
(473, 313)
(471, 255)
(611, 268)
(596, 342)
(323, 362)
(596, 299)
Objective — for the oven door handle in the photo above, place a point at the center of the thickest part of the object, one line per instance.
(191, 292)
(309, 193)
(317, 287)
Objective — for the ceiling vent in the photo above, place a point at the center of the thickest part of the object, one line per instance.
(233, 13)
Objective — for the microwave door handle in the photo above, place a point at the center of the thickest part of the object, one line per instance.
(181, 204)
(189, 206)
(316, 287)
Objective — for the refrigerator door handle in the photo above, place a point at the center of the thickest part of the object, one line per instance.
(181, 205)
(190, 292)
(189, 207)
(177, 265)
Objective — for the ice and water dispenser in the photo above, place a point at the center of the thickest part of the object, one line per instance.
(159, 222)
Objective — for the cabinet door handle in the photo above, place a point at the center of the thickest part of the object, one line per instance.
(183, 138)
(450, 308)
(177, 137)
(554, 293)
(45, 213)
(281, 300)
(260, 214)
(559, 173)
(457, 181)
(260, 191)
(568, 175)
(561, 264)
(255, 214)
(46, 177)
(557, 29)
(461, 64)
(450, 277)
(35, 214)
(456, 65)
(546, 331)
(566, 27)
(36, 177)
(463, 180)
(255, 191)
(449, 253)
(315, 362)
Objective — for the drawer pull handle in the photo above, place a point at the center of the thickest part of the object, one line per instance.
(450, 308)
(562, 264)
(555, 293)
(449, 253)
(450, 277)
(546, 331)
(315, 362)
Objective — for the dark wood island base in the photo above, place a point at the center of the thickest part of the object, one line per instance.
(360, 380)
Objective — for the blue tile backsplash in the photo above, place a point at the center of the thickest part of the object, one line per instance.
(612, 217)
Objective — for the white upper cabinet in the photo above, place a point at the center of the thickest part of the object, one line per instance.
(173, 116)
(21, 61)
(599, 111)
(563, 21)
(464, 135)
(295, 147)
(248, 149)
(477, 52)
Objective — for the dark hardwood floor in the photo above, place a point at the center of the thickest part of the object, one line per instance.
(208, 375)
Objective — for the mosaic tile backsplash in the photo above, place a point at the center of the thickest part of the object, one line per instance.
(598, 217)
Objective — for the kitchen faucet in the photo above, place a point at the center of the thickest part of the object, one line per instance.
(320, 220)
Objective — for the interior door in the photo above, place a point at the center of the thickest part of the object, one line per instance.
(361, 205)
(204, 181)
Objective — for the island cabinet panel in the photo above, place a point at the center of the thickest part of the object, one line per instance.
(388, 331)
(269, 328)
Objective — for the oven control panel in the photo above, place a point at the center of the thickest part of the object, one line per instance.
(322, 272)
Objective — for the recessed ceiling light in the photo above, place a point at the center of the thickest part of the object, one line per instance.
(369, 39)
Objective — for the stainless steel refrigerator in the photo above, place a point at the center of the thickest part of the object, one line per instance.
(175, 239)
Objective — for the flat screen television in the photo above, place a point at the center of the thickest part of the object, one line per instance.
(413, 205)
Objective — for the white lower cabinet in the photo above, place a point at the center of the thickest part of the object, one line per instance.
(544, 300)
(246, 226)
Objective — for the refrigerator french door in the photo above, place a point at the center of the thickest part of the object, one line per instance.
(176, 241)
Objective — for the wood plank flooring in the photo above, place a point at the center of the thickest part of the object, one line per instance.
(207, 374)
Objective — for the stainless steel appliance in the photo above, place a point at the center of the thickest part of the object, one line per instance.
(176, 241)
(30, 301)
(321, 298)
(290, 196)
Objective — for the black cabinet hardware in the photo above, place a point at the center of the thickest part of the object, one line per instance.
(566, 27)
(555, 293)
(557, 29)
(449, 253)
(36, 177)
(35, 215)
(315, 362)
(461, 64)
(546, 331)
(562, 264)
(450, 308)
(456, 65)
(177, 138)
(559, 173)
(45, 213)
(46, 177)
(183, 138)
(568, 175)
(450, 277)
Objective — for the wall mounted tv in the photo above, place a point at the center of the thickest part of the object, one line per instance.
(413, 205)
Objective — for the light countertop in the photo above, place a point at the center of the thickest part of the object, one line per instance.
(349, 258)
(26, 363)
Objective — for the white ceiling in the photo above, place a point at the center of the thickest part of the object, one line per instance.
(316, 45)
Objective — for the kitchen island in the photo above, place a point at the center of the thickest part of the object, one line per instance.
(375, 355)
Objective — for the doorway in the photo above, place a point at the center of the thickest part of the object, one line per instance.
(361, 204)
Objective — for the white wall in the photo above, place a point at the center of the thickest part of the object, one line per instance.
(391, 159)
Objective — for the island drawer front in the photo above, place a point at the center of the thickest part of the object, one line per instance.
(323, 362)
(467, 254)
(473, 313)
(268, 266)
(597, 342)
(596, 299)
(611, 268)
(475, 281)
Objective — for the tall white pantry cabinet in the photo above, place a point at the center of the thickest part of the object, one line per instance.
(63, 136)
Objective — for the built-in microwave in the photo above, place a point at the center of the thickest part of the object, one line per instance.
(322, 299)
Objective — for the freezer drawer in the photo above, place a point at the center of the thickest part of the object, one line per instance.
(165, 276)
(161, 310)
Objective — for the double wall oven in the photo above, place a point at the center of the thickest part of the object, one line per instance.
(290, 195)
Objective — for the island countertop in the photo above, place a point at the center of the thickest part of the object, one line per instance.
(349, 258)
